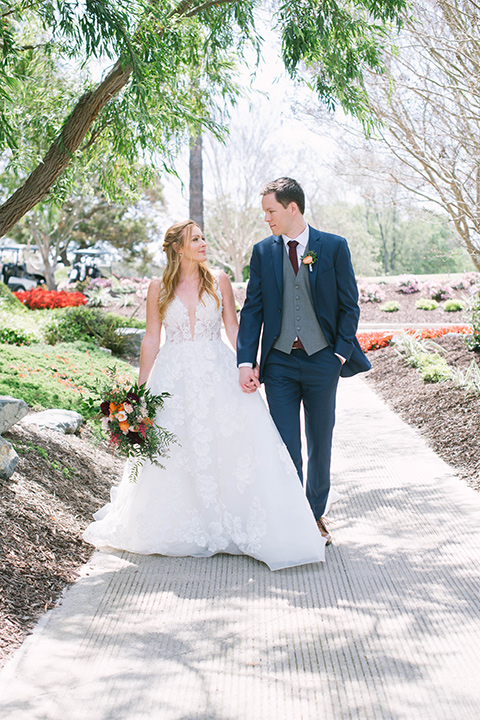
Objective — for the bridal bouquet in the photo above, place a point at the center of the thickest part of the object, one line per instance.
(127, 415)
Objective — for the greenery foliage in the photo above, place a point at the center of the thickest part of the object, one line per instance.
(390, 306)
(55, 377)
(90, 325)
(468, 379)
(433, 367)
(8, 299)
(426, 304)
(474, 341)
(158, 52)
(423, 354)
(453, 305)
(15, 336)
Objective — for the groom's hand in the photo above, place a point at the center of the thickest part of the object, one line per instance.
(249, 379)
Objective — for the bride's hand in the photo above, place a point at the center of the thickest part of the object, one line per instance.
(249, 379)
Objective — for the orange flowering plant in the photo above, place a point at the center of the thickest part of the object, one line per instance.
(129, 416)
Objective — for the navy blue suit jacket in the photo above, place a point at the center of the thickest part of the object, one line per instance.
(334, 294)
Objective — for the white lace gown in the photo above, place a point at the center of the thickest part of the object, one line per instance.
(229, 485)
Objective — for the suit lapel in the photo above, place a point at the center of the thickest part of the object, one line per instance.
(315, 245)
(277, 260)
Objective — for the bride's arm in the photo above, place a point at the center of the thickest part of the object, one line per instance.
(230, 319)
(151, 341)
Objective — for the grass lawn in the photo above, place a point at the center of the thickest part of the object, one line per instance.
(56, 376)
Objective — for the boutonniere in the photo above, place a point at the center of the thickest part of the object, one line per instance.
(309, 259)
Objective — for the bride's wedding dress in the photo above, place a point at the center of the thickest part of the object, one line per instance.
(229, 484)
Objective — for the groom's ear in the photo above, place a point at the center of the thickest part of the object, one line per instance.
(294, 209)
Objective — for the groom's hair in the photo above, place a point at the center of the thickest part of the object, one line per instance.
(286, 191)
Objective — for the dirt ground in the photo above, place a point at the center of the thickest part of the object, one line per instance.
(62, 479)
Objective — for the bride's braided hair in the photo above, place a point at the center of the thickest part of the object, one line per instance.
(179, 235)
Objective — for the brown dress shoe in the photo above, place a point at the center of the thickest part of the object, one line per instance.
(321, 524)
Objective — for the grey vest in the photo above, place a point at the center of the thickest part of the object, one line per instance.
(298, 314)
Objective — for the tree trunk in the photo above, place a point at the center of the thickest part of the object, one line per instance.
(38, 184)
(196, 181)
(43, 244)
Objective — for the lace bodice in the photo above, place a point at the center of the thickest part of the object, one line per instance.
(208, 320)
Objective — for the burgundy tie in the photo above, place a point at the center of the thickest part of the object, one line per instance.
(292, 254)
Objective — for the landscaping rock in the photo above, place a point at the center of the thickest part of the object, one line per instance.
(63, 421)
(11, 412)
(8, 459)
(134, 338)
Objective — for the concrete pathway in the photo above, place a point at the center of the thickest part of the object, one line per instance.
(387, 628)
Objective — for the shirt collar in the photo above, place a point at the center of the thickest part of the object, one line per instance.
(302, 239)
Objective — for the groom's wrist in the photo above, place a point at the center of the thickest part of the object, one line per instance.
(245, 364)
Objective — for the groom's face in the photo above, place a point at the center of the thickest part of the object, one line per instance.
(279, 218)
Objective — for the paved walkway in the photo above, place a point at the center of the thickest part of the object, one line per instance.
(387, 628)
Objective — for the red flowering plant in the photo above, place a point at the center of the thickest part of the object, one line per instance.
(128, 416)
(376, 340)
(40, 299)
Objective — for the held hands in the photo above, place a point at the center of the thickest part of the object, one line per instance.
(249, 379)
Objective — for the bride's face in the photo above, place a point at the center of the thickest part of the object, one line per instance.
(194, 248)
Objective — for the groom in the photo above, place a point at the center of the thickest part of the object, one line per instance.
(302, 293)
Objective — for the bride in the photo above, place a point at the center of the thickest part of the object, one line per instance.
(228, 485)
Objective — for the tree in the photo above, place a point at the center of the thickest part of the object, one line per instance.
(88, 218)
(196, 180)
(429, 106)
(144, 99)
(238, 169)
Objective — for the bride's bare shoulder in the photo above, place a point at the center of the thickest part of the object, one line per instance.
(155, 287)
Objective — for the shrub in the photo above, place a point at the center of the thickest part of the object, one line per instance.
(8, 299)
(90, 325)
(426, 304)
(370, 293)
(39, 299)
(468, 379)
(15, 336)
(474, 342)
(408, 284)
(434, 368)
(390, 306)
(453, 305)
(467, 281)
(439, 291)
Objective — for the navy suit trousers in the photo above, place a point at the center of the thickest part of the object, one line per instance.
(293, 379)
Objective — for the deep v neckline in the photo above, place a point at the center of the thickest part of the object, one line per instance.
(192, 328)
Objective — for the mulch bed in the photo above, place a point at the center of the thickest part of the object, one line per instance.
(448, 418)
(44, 507)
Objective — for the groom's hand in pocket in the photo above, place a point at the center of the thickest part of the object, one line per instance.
(249, 379)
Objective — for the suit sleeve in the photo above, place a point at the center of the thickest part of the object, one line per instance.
(347, 294)
(251, 317)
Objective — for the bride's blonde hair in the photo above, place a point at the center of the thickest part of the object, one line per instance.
(180, 235)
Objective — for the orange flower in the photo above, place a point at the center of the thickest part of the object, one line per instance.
(124, 425)
(307, 260)
(115, 407)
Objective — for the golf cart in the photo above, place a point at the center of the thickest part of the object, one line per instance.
(21, 267)
(85, 266)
